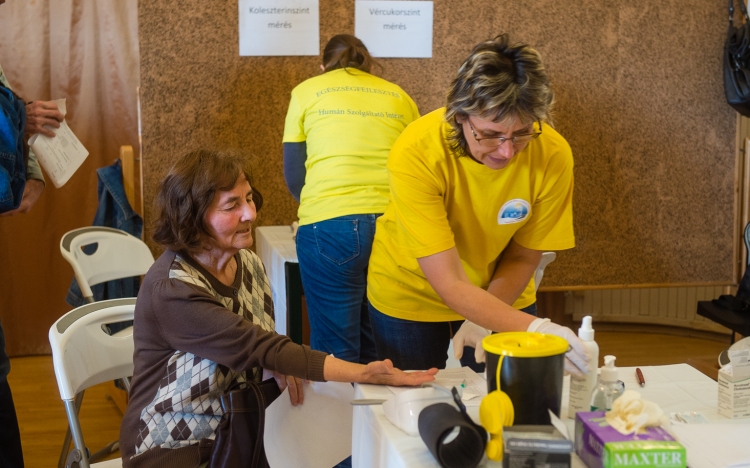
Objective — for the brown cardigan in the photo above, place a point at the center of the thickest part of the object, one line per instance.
(193, 337)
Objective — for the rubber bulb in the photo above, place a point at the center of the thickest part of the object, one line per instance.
(495, 412)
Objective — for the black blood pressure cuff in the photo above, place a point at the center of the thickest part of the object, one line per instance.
(452, 437)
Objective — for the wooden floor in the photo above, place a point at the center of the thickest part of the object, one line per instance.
(43, 423)
(41, 415)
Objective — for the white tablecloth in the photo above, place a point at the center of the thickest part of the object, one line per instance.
(275, 247)
(378, 443)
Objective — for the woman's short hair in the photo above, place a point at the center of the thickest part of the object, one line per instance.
(496, 82)
(346, 51)
(186, 193)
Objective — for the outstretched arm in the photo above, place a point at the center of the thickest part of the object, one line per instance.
(377, 372)
(513, 272)
(446, 275)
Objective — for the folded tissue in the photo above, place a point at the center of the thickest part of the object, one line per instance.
(631, 414)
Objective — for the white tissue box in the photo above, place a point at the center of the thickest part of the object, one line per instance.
(734, 393)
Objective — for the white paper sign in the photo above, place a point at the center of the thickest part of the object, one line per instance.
(395, 29)
(279, 27)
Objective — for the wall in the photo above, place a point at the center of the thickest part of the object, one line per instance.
(639, 97)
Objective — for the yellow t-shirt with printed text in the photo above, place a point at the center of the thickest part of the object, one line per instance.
(440, 201)
(349, 120)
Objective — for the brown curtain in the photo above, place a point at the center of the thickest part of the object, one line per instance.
(85, 51)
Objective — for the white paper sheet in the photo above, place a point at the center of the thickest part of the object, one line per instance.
(715, 445)
(60, 156)
(474, 385)
(315, 434)
(279, 27)
(395, 28)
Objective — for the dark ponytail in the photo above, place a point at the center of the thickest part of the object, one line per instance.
(346, 51)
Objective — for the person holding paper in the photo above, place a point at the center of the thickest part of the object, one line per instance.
(12, 183)
(339, 129)
(38, 115)
(204, 318)
(479, 189)
(20, 188)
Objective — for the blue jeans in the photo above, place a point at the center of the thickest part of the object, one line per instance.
(419, 345)
(333, 257)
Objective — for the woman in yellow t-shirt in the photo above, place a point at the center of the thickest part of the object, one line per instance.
(338, 131)
(479, 190)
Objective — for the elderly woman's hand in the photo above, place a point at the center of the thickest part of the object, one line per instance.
(296, 393)
(377, 372)
(383, 372)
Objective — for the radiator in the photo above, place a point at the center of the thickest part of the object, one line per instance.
(663, 306)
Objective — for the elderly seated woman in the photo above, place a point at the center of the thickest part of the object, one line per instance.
(204, 319)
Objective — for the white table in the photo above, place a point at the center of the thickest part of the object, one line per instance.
(378, 443)
(276, 247)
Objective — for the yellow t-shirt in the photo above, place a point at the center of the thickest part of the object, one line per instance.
(439, 201)
(349, 120)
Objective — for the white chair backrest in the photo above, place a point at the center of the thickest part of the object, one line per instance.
(118, 255)
(84, 354)
(547, 258)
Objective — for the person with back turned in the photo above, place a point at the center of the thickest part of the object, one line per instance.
(339, 129)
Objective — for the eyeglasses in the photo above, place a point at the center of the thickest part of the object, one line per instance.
(518, 140)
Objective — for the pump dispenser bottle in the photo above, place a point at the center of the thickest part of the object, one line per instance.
(608, 389)
(582, 389)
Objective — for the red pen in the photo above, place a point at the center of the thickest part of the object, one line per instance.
(639, 376)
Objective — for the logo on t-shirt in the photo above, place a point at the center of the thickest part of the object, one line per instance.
(513, 211)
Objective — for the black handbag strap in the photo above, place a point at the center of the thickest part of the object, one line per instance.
(261, 423)
(743, 9)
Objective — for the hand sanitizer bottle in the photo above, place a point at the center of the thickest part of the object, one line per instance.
(582, 389)
(608, 389)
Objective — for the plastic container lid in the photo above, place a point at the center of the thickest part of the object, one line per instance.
(524, 344)
(586, 332)
(609, 372)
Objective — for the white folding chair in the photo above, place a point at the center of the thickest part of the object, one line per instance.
(84, 354)
(118, 255)
(547, 258)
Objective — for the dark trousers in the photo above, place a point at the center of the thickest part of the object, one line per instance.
(11, 455)
(419, 345)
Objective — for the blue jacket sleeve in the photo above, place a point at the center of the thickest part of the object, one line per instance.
(12, 150)
(295, 155)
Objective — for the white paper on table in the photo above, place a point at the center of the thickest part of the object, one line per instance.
(475, 385)
(62, 155)
(315, 434)
(714, 445)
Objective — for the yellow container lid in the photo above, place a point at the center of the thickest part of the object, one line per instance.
(524, 344)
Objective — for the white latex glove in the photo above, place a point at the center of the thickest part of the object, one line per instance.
(470, 334)
(577, 358)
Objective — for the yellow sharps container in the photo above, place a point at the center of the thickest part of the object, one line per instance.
(529, 367)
